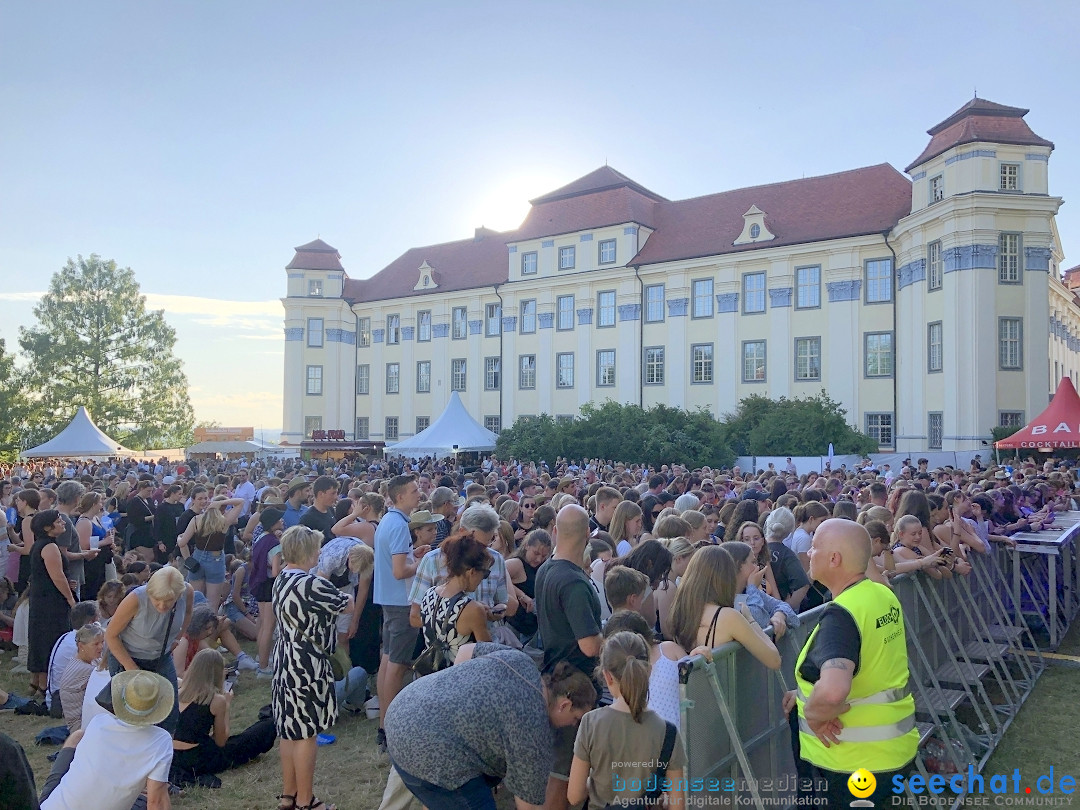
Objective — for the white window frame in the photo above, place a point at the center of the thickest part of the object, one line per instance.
(702, 364)
(701, 299)
(808, 287)
(605, 309)
(1009, 180)
(561, 310)
(761, 361)
(936, 188)
(530, 261)
(528, 317)
(492, 320)
(393, 330)
(806, 359)
(459, 378)
(567, 257)
(527, 372)
(391, 431)
(1013, 419)
(935, 266)
(935, 347)
(651, 316)
(653, 366)
(605, 368)
(874, 424)
(492, 373)
(603, 245)
(423, 376)
(423, 326)
(393, 378)
(878, 352)
(314, 377)
(363, 332)
(363, 428)
(315, 328)
(422, 423)
(494, 424)
(564, 368)
(1010, 249)
(315, 288)
(935, 433)
(1010, 343)
(459, 317)
(756, 305)
(363, 379)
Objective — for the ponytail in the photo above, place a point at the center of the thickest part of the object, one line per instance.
(626, 657)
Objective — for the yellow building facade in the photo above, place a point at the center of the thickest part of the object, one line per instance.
(921, 303)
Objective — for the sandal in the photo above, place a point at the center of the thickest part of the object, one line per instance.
(286, 802)
(316, 804)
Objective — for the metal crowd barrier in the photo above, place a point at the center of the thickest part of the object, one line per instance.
(974, 660)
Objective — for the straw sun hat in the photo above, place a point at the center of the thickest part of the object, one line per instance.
(141, 698)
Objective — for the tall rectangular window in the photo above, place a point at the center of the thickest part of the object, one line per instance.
(703, 298)
(393, 330)
(702, 358)
(363, 428)
(1010, 343)
(564, 374)
(654, 365)
(937, 188)
(314, 381)
(564, 318)
(753, 290)
(605, 368)
(391, 429)
(879, 281)
(363, 379)
(605, 308)
(393, 378)
(423, 325)
(1012, 419)
(423, 376)
(934, 332)
(493, 320)
(459, 323)
(654, 303)
(1009, 177)
(493, 423)
(935, 429)
(363, 332)
(311, 424)
(753, 365)
(567, 257)
(527, 371)
(457, 374)
(879, 428)
(528, 263)
(808, 358)
(1009, 258)
(422, 423)
(808, 287)
(315, 332)
(934, 269)
(606, 251)
(314, 288)
(492, 373)
(528, 316)
(878, 353)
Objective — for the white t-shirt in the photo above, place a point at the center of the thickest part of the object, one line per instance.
(145, 752)
(62, 653)
(623, 548)
(597, 577)
(99, 678)
(799, 541)
(246, 491)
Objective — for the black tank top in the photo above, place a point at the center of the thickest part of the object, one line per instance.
(195, 724)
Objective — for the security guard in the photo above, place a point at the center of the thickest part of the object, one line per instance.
(855, 710)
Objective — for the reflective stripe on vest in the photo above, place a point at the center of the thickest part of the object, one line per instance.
(884, 696)
(867, 734)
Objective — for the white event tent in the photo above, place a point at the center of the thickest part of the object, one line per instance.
(454, 427)
(80, 439)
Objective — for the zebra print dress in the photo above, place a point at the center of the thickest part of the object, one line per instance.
(302, 692)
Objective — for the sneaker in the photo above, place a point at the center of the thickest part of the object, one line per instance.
(372, 703)
(380, 740)
(246, 662)
(264, 674)
(14, 702)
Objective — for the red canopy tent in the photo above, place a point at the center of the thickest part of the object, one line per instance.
(1056, 428)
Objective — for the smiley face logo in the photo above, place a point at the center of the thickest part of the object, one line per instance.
(861, 783)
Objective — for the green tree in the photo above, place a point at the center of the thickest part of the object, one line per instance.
(793, 427)
(96, 344)
(12, 405)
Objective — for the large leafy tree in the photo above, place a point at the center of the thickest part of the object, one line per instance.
(96, 344)
(12, 405)
(793, 427)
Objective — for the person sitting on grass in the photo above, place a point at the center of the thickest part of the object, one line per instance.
(89, 642)
(240, 607)
(202, 746)
(208, 630)
(10, 702)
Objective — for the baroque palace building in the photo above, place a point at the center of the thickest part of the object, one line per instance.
(922, 303)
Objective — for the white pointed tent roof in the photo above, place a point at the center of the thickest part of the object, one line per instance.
(80, 439)
(453, 427)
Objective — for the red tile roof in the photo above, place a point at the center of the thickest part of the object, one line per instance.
(852, 203)
(979, 121)
(814, 209)
(315, 255)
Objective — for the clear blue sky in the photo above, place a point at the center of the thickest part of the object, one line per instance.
(199, 142)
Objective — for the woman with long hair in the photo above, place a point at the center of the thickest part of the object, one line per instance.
(808, 516)
(704, 610)
(360, 518)
(764, 607)
(93, 535)
(626, 527)
(203, 541)
(202, 745)
(752, 535)
(681, 550)
(521, 568)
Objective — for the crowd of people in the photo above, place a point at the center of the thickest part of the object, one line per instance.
(551, 589)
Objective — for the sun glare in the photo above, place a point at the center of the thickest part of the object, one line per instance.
(504, 203)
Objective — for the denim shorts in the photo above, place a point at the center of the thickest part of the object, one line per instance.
(233, 612)
(212, 567)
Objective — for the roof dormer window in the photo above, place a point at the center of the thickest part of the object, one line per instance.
(754, 228)
(427, 278)
(937, 188)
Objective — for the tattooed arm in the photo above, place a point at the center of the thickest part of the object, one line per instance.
(828, 699)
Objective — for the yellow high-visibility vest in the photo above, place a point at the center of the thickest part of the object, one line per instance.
(879, 731)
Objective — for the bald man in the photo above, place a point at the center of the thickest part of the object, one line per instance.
(568, 613)
(854, 706)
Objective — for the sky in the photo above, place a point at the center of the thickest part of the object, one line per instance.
(199, 142)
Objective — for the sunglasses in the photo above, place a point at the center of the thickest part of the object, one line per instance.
(657, 513)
